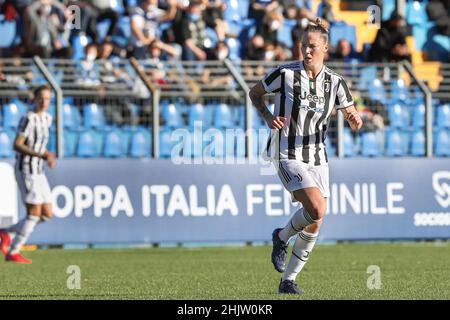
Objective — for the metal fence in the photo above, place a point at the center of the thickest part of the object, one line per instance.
(136, 106)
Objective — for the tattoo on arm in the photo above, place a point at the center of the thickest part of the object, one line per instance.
(258, 101)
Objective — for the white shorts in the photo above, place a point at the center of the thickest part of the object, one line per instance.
(34, 188)
(297, 175)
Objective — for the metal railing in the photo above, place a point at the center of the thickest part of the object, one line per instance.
(146, 84)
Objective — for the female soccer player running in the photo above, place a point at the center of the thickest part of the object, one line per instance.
(305, 94)
(31, 146)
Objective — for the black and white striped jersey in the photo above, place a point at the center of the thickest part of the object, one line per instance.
(35, 128)
(307, 104)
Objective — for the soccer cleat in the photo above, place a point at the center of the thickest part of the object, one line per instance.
(5, 241)
(279, 251)
(289, 287)
(17, 257)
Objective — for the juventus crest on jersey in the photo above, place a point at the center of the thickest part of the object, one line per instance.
(35, 128)
(307, 105)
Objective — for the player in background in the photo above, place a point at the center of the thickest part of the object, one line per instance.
(31, 152)
(305, 95)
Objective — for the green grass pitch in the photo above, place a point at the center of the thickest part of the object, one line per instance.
(408, 271)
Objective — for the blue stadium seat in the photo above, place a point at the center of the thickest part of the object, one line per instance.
(223, 117)
(416, 12)
(396, 115)
(235, 48)
(214, 144)
(79, 42)
(340, 30)
(93, 116)
(418, 143)
(140, 144)
(197, 112)
(113, 145)
(70, 143)
(388, 8)
(395, 146)
(443, 116)
(258, 122)
(165, 143)
(370, 145)
(284, 35)
(418, 118)
(399, 91)
(6, 145)
(377, 91)
(330, 149)
(89, 144)
(367, 76)
(8, 32)
(442, 144)
(172, 116)
(349, 144)
(12, 112)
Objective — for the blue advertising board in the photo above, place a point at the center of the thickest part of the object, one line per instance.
(154, 201)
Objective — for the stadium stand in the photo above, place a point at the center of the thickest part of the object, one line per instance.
(108, 110)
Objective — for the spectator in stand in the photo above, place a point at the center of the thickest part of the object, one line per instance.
(390, 42)
(255, 48)
(213, 16)
(258, 9)
(268, 29)
(190, 30)
(289, 9)
(102, 10)
(44, 26)
(89, 73)
(327, 11)
(145, 25)
(344, 52)
(439, 12)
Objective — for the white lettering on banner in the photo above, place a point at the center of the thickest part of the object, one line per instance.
(84, 198)
(441, 188)
(159, 191)
(196, 211)
(391, 198)
(103, 198)
(145, 196)
(177, 201)
(211, 199)
(432, 219)
(122, 202)
(364, 199)
(67, 209)
(271, 199)
(252, 199)
(226, 201)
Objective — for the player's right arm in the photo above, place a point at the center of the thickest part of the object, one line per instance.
(21, 146)
(257, 96)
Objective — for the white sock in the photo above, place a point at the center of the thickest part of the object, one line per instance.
(15, 228)
(24, 233)
(300, 254)
(300, 220)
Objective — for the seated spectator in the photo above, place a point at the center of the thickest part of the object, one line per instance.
(344, 52)
(101, 10)
(145, 25)
(43, 29)
(268, 29)
(258, 9)
(89, 74)
(390, 42)
(327, 11)
(289, 8)
(213, 16)
(255, 48)
(439, 12)
(190, 30)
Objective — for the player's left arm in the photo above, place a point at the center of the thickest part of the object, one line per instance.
(345, 103)
(352, 116)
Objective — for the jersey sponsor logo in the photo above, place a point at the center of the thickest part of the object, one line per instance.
(312, 98)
